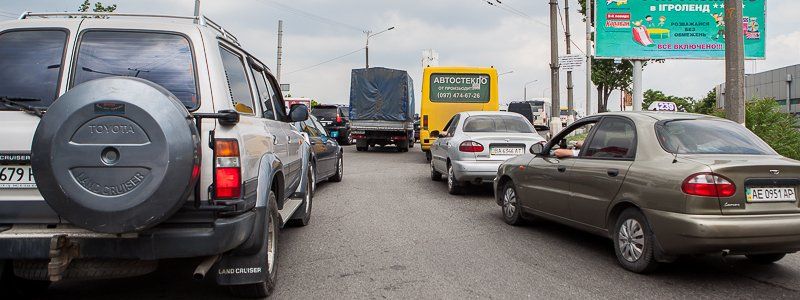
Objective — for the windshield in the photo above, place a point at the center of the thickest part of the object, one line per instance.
(163, 58)
(30, 65)
(495, 123)
(324, 113)
(709, 137)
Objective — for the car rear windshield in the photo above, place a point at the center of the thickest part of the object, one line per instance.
(30, 65)
(163, 58)
(511, 124)
(709, 137)
(324, 113)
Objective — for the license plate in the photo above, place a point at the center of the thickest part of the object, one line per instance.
(771, 194)
(16, 177)
(506, 151)
(326, 123)
(334, 134)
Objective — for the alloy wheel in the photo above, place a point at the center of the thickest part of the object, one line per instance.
(341, 166)
(630, 240)
(509, 202)
(450, 179)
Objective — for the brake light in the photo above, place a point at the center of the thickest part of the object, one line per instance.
(708, 185)
(227, 169)
(338, 119)
(470, 146)
(425, 122)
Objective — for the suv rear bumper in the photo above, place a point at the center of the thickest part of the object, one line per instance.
(163, 241)
(744, 234)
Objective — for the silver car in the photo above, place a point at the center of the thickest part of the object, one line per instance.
(474, 144)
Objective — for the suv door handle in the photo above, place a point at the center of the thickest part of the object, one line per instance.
(612, 172)
(562, 169)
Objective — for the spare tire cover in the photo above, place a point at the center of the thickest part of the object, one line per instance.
(116, 155)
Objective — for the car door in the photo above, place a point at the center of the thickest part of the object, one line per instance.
(327, 158)
(273, 128)
(442, 145)
(293, 162)
(597, 175)
(545, 181)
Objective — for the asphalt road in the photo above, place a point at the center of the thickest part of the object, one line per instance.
(388, 231)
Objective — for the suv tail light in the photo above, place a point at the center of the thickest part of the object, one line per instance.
(338, 119)
(470, 146)
(708, 185)
(227, 169)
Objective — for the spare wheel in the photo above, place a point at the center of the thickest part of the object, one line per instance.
(116, 155)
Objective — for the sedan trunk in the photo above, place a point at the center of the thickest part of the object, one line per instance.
(502, 146)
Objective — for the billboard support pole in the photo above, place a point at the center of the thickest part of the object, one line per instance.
(734, 62)
(638, 93)
(589, 20)
(555, 102)
(570, 86)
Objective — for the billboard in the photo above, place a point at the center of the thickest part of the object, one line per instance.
(462, 88)
(662, 29)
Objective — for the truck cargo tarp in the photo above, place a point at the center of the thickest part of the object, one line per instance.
(381, 94)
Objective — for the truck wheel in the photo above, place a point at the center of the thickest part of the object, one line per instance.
(264, 289)
(116, 155)
(303, 215)
(402, 146)
(435, 175)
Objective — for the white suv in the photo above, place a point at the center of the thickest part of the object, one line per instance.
(132, 138)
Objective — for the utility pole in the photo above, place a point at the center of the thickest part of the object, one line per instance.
(589, 87)
(196, 11)
(555, 102)
(369, 34)
(570, 99)
(280, 50)
(734, 62)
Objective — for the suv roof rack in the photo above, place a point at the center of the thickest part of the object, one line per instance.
(202, 19)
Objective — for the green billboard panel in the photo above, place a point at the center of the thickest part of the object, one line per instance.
(461, 88)
(661, 29)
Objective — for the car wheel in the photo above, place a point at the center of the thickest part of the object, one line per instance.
(765, 259)
(303, 215)
(428, 155)
(511, 210)
(435, 175)
(16, 287)
(361, 149)
(453, 186)
(337, 177)
(264, 289)
(634, 241)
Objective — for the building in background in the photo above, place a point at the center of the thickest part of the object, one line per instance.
(780, 84)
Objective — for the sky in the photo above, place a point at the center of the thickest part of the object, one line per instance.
(512, 36)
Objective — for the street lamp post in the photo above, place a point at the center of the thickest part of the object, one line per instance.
(525, 92)
(369, 35)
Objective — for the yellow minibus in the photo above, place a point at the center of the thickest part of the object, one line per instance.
(447, 91)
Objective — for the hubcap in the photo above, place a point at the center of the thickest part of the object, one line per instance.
(630, 239)
(450, 180)
(509, 202)
(312, 179)
(341, 166)
(271, 240)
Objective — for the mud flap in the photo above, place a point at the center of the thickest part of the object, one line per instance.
(248, 263)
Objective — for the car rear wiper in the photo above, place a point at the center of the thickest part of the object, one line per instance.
(17, 103)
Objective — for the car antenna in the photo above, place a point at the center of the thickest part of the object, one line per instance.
(675, 158)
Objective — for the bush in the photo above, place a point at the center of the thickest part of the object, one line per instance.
(778, 129)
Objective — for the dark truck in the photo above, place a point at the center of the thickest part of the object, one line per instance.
(382, 108)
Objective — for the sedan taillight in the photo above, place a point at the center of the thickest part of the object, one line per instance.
(708, 185)
(227, 169)
(338, 119)
(470, 146)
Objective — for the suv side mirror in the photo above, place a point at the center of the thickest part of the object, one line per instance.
(435, 134)
(298, 113)
(537, 148)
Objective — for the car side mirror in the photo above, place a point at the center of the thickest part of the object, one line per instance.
(541, 127)
(435, 134)
(298, 113)
(537, 148)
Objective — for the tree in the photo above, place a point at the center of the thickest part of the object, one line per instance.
(686, 104)
(780, 130)
(708, 104)
(609, 76)
(98, 7)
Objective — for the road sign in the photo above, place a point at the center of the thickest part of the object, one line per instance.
(571, 62)
(284, 87)
(692, 29)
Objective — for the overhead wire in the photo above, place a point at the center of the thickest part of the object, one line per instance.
(513, 11)
(564, 29)
(309, 15)
(327, 61)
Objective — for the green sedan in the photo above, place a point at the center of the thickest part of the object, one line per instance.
(660, 185)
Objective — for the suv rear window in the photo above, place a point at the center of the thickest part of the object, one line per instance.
(325, 113)
(709, 137)
(511, 124)
(30, 65)
(163, 58)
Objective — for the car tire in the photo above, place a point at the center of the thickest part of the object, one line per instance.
(362, 149)
(435, 175)
(512, 213)
(303, 215)
(264, 289)
(765, 259)
(634, 242)
(453, 186)
(428, 155)
(337, 177)
(15, 287)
